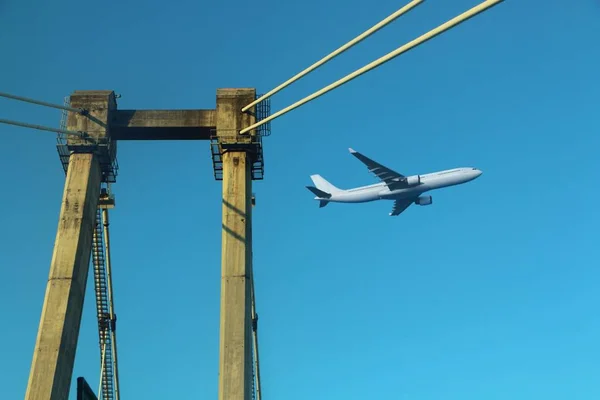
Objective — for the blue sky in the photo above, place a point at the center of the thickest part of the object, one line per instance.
(489, 293)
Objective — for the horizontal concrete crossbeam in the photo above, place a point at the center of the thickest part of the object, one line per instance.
(162, 124)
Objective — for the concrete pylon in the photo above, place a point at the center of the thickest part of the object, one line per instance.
(56, 343)
(235, 351)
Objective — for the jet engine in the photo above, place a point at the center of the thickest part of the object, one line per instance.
(424, 200)
(413, 180)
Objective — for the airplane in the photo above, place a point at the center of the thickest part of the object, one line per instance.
(403, 190)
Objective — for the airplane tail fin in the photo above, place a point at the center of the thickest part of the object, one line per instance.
(323, 189)
(322, 184)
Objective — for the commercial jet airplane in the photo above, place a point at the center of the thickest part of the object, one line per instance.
(403, 190)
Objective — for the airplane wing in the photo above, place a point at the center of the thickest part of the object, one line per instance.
(400, 206)
(393, 179)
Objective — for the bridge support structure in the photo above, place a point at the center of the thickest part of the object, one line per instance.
(237, 160)
(238, 153)
(56, 343)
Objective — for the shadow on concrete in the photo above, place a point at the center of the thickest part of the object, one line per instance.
(234, 209)
(233, 234)
(238, 212)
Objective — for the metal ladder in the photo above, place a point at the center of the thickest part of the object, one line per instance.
(105, 325)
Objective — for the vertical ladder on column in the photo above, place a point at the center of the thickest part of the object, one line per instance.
(102, 308)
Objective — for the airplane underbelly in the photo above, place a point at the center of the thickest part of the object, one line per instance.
(402, 193)
(357, 197)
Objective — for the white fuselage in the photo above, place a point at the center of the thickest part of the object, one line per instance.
(380, 191)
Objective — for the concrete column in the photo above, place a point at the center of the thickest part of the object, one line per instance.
(235, 358)
(56, 343)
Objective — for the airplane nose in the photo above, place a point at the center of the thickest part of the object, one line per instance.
(475, 173)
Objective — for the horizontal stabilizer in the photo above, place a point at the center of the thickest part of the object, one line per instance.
(319, 193)
(323, 203)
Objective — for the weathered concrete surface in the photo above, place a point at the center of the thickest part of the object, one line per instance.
(56, 344)
(101, 105)
(163, 124)
(235, 351)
